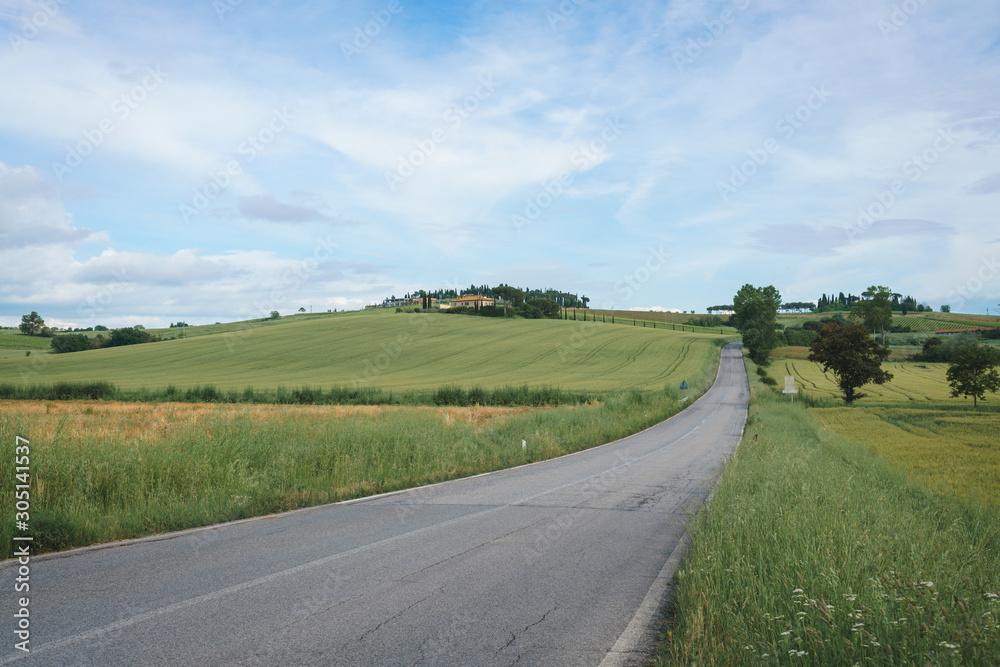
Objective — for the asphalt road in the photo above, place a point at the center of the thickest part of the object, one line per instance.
(546, 564)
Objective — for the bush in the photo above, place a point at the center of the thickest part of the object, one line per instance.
(206, 394)
(123, 336)
(530, 312)
(708, 321)
(799, 337)
(546, 307)
(477, 396)
(60, 391)
(942, 350)
(449, 395)
(70, 343)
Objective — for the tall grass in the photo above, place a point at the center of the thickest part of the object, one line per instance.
(338, 395)
(816, 551)
(103, 471)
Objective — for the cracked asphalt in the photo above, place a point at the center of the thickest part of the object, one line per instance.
(544, 564)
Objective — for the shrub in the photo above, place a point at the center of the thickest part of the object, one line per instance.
(70, 343)
(477, 396)
(449, 395)
(708, 321)
(123, 336)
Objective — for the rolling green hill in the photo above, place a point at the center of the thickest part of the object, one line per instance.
(391, 351)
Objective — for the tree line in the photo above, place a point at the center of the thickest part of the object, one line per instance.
(33, 324)
(76, 342)
(515, 295)
(897, 303)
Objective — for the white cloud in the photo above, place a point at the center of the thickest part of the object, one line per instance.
(32, 213)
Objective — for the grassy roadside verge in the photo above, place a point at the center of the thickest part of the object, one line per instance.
(103, 471)
(816, 551)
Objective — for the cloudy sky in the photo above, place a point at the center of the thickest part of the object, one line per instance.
(219, 159)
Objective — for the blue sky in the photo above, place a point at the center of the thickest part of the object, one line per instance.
(210, 161)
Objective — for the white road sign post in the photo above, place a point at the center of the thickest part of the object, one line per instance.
(790, 387)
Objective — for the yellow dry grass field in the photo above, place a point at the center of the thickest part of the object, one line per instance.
(132, 423)
(946, 450)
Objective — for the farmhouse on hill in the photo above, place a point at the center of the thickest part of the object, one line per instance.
(473, 301)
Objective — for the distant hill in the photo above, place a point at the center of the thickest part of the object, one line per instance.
(388, 350)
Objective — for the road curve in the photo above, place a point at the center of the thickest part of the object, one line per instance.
(545, 564)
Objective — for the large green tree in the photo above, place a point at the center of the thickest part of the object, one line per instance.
(509, 294)
(32, 324)
(854, 358)
(973, 372)
(875, 309)
(547, 307)
(755, 312)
